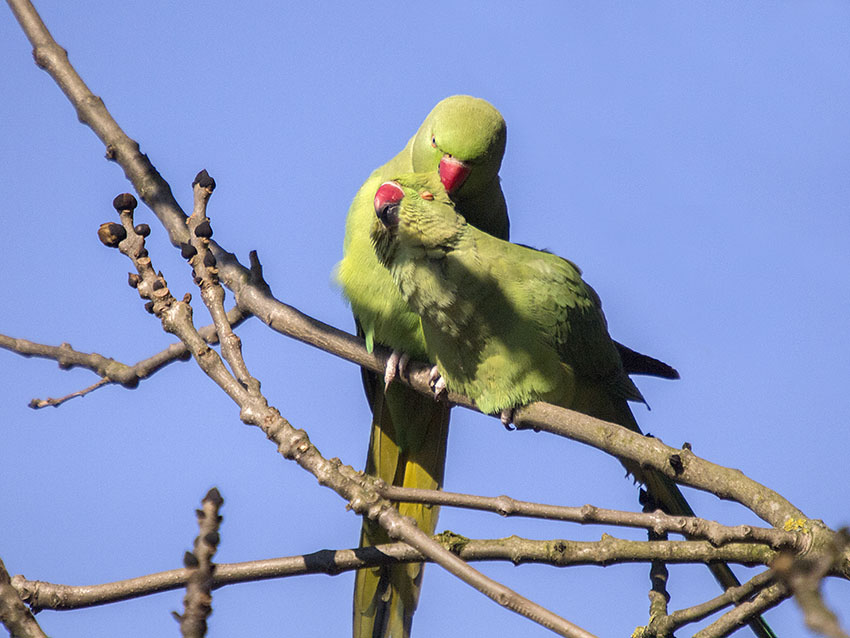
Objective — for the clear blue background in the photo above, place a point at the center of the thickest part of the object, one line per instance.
(693, 158)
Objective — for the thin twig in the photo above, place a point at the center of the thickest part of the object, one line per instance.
(665, 626)
(739, 616)
(37, 404)
(206, 275)
(658, 575)
(198, 600)
(110, 370)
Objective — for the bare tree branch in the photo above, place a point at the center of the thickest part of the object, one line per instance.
(556, 552)
(14, 614)
(726, 483)
(803, 575)
(198, 599)
(110, 370)
(37, 404)
(658, 575)
(661, 626)
(739, 616)
(206, 274)
(656, 521)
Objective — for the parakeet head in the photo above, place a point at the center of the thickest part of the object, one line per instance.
(463, 139)
(415, 217)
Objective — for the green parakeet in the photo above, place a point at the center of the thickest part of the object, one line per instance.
(507, 324)
(461, 142)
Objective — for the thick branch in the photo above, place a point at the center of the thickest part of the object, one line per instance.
(559, 553)
(14, 615)
(726, 483)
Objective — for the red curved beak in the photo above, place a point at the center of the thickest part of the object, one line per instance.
(386, 203)
(453, 172)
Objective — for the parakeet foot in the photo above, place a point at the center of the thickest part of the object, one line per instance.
(396, 365)
(507, 417)
(437, 383)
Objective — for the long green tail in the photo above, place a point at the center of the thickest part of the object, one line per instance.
(407, 448)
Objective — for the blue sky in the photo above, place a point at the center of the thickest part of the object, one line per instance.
(691, 157)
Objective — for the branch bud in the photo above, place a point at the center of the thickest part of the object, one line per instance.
(125, 201)
(204, 180)
(111, 234)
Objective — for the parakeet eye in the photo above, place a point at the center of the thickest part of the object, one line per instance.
(433, 141)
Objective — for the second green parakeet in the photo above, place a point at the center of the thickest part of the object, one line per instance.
(507, 324)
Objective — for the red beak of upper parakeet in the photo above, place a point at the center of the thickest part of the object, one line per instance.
(453, 172)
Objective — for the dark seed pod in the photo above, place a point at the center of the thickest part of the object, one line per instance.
(204, 229)
(209, 260)
(143, 229)
(212, 538)
(188, 251)
(125, 201)
(204, 180)
(143, 253)
(190, 560)
(214, 497)
(111, 234)
(133, 279)
(158, 284)
(149, 307)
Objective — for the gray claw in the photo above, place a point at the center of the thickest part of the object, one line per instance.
(402, 364)
(437, 383)
(391, 371)
(507, 417)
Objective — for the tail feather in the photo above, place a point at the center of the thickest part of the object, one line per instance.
(638, 363)
(409, 455)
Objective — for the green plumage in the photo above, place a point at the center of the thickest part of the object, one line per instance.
(507, 324)
(409, 431)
